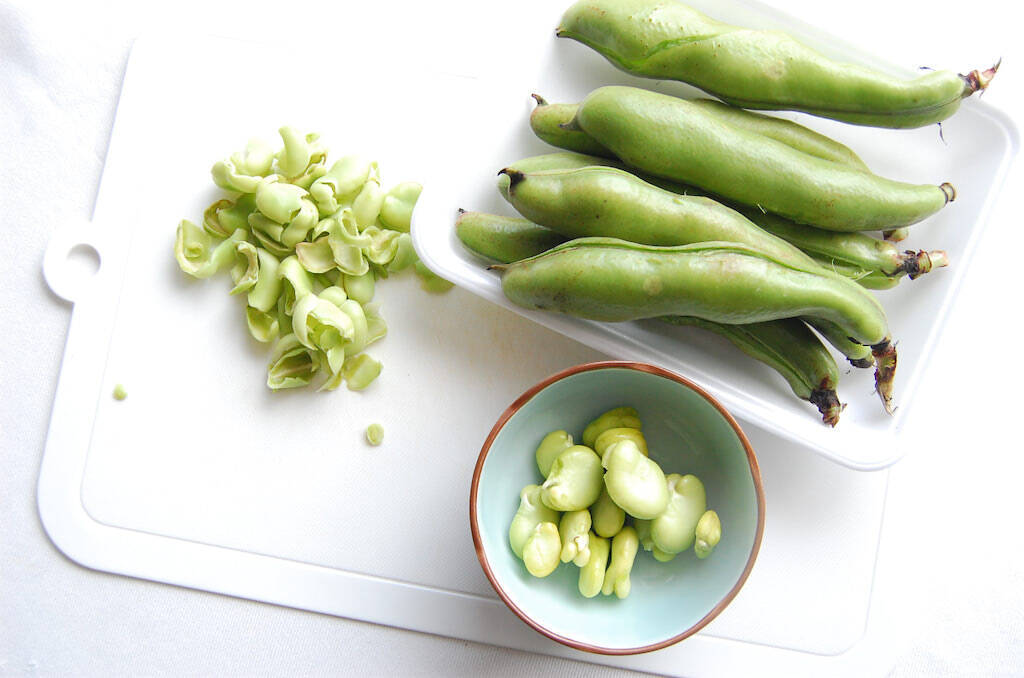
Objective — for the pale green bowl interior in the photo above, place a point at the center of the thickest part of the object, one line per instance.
(685, 434)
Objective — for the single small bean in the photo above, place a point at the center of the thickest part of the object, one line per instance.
(673, 531)
(574, 531)
(531, 513)
(592, 574)
(552, 445)
(540, 553)
(574, 481)
(620, 417)
(709, 533)
(606, 515)
(635, 483)
(609, 437)
(624, 548)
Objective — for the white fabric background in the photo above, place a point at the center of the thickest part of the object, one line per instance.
(952, 543)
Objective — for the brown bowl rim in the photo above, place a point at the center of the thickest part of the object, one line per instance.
(755, 471)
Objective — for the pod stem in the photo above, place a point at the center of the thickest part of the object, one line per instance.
(541, 101)
(885, 372)
(979, 80)
(826, 400)
(916, 264)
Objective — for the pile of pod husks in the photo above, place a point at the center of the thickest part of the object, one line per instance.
(305, 242)
(702, 213)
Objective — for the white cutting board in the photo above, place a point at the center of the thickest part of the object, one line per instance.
(203, 478)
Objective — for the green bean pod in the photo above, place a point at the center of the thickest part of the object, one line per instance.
(788, 132)
(552, 123)
(607, 518)
(787, 346)
(613, 280)
(567, 160)
(592, 574)
(551, 445)
(791, 349)
(760, 69)
(872, 280)
(857, 354)
(874, 264)
(674, 139)
(858, 250)
(605, 201)
(503, 239)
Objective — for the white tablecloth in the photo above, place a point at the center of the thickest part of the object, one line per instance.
(952, 543)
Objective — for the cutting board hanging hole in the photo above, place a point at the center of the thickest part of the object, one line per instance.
(71, 264)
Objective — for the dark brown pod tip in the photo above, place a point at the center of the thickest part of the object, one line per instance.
(827, 402)
(514, 176)
(885, 372)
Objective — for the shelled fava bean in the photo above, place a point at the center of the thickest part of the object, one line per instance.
(601, 501)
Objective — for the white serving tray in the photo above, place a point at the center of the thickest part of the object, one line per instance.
(202, 478)
(979, 143)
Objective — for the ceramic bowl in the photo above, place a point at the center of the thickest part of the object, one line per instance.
(687, 431)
